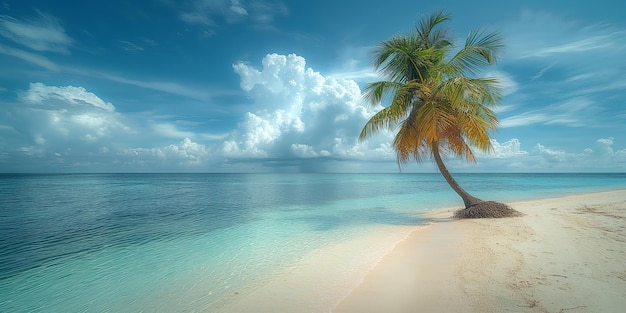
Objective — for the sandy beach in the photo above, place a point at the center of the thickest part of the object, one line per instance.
(565, 255)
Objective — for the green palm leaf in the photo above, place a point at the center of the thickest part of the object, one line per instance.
(435, 102)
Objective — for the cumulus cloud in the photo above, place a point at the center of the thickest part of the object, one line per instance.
(59, 119)
(56, 127)
(509, 155)
(507, 149)
(605, 144)
(185, 153)
(552, 155)
(553, 158)
(41, 33)
(299, 112)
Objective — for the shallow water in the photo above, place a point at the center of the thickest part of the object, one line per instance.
(186, 242)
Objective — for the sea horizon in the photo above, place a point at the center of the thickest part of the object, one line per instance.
(304, 173)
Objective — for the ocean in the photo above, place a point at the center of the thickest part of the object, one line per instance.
(198, 242)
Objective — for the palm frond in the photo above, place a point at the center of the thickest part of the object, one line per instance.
(404, 58)
(376, 92)
(480, 50)
(436, 103)
(426, 26)
(409, 141)
(460, 90)
(386, 118)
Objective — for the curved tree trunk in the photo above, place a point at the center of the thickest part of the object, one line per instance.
(468, 199)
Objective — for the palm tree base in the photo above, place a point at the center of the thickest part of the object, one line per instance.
(487, 209)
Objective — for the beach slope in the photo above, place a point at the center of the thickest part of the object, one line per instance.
(564, 255)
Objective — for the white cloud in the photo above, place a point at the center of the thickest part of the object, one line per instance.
(552, 155)
(524, 119)
(504, 108)
(507, 149)
(302, 114)
(58, 118)
(606, 144)
(305, 151)
(39, 93)
(170, 130)
(185, 153)
(236, 7)
(507, 84)
(56, 127)
(299, 113)
(42, 33)
(510, 156)
(605, 141)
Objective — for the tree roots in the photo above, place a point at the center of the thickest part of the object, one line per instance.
(487, 209)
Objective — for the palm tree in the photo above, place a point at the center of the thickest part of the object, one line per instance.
(437, 105)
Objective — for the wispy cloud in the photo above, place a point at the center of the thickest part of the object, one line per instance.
(29, 57)
(41, 33)
(571, 70)
(587, 44)
(542, 35)
(164, 86)
(573, 112)
(210, 13)
(358, 75)
(507, 84)
(543, 71)
(237, 8)
(129, 46)
(171, 131)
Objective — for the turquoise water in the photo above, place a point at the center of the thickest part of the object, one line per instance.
(186, 242)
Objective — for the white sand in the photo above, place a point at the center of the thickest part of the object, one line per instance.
(565, 255)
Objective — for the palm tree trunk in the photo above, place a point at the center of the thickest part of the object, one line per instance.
(468, 199)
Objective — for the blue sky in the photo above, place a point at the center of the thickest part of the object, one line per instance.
(275, 86)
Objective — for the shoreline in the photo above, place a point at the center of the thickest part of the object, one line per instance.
(564, 254)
